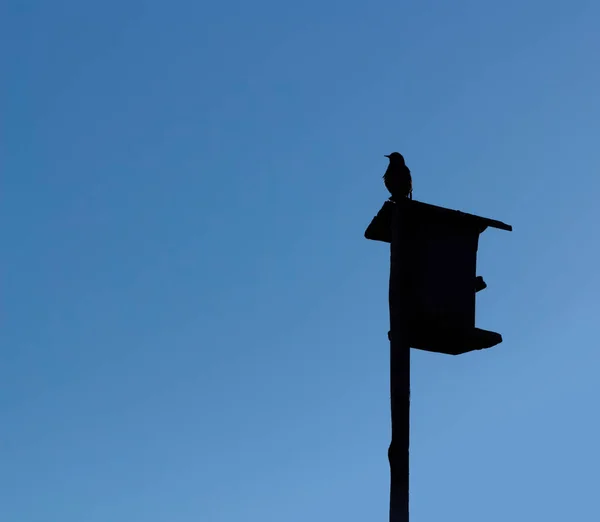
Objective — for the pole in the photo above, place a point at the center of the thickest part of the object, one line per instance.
(398, 452)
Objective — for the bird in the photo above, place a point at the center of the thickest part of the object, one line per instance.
(397, 177)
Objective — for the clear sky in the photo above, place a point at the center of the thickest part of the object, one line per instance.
(193, 325)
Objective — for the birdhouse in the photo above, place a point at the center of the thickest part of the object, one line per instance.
(438, 249)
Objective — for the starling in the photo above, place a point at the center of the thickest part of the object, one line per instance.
(397, 177)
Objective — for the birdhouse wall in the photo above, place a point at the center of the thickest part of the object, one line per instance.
(442, 284)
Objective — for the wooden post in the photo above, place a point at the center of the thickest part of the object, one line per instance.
(399, 297)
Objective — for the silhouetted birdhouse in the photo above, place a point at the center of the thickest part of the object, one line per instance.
(439, 255)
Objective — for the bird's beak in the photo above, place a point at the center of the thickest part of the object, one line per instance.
(386, 155)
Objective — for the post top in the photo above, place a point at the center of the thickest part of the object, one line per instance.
(380, 227)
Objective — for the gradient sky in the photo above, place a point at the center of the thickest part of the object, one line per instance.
(194, 328)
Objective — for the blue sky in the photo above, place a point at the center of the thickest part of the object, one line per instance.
(194, 328)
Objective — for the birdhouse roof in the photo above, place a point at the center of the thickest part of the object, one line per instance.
(380, 227)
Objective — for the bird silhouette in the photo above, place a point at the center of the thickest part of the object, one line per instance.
(397, 177)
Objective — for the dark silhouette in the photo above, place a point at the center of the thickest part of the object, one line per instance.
(432, 290)
(397, 177)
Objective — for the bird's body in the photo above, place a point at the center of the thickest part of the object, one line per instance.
(397, 178)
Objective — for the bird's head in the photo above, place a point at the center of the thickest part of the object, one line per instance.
(395, 157)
